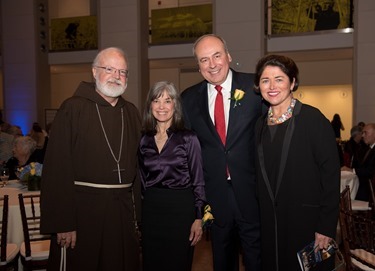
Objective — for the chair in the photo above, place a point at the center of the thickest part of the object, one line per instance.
(358, 238)
(354, 205)
(372, 196)
(8, 252)
(345, 200)
(35, 248)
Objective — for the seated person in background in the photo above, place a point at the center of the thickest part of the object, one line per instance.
(361, 124)
(41, 140)
(6, 145)
(366, 169)
(340, 151)
(5, 127)
(354, 149)
(48, 129)
(23, 154)
(37, 134)
(15, 131)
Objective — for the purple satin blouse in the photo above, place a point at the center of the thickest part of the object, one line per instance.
(177, 166)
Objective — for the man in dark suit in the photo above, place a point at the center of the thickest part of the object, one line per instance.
(366, 169)
(228, 160)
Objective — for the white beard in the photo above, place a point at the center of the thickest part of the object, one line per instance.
(110, 89)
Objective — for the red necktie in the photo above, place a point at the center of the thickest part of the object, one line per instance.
(219, 114)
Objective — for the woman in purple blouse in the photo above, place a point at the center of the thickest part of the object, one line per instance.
(172, 183)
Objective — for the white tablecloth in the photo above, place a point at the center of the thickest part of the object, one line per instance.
(349, 178)
(15, 232)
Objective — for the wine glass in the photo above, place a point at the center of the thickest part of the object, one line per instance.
(4, 176)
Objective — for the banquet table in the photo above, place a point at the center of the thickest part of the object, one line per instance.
(349, 178)
(12, 189)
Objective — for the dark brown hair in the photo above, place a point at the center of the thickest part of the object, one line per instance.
(285, 63)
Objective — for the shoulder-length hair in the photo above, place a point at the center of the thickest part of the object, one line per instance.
(286, 64)
(156, 91)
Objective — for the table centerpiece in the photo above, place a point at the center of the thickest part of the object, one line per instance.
(31, 175)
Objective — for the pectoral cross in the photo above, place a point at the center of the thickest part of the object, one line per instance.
(119, 172)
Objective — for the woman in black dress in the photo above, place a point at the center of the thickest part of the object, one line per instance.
(298, 170)
(337, 125)
(172, 183)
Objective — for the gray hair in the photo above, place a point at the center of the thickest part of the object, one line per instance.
(210, 35)
(118, 50)
(27, 144)
(149, 121)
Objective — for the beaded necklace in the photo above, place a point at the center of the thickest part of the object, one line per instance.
(283, 117)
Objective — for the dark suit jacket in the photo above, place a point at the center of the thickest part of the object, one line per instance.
(307, 198)
(239, 152)
(365, 171)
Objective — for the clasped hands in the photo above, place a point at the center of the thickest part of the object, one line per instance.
(67, 239)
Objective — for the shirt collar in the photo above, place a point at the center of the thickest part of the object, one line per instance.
(227, 84)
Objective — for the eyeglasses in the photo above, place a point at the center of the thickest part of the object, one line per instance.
(111, 70)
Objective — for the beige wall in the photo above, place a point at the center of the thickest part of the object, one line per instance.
(181, 79)
(63, 85)
(332, 72)
(364, 59)
(330, 100)
(188, 79)
(68, 8)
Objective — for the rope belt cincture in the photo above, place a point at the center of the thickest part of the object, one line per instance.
(97, 185)
(63, 259)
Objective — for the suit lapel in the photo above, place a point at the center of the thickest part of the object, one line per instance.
(368, 156)
(234, 112)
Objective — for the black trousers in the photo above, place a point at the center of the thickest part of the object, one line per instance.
(237, 233)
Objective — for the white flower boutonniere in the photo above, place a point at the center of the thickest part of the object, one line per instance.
(237, 97)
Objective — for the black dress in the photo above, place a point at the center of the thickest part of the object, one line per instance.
(303, 198)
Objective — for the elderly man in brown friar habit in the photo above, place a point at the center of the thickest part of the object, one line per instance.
(90, 173)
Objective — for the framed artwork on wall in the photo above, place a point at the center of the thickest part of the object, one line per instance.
(181, 24)
(74, 34)
(308, 16)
